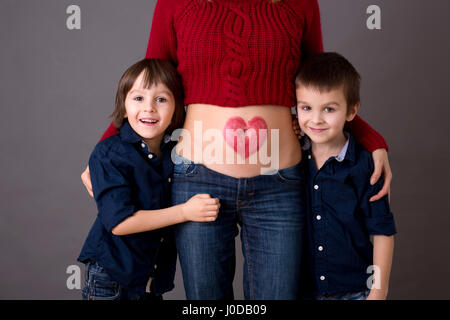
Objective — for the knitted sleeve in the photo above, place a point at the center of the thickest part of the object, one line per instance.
(312, 34)
(370, 139)
(112, 130)
(162, 43)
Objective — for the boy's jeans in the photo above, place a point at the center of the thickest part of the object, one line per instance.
(100, 286)
(271, 212)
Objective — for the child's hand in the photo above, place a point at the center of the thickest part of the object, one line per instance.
(296, 127)
(201, 208)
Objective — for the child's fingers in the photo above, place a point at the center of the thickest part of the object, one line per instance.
(212, 201)
(212, 208)
(212, 215)
(202, 196)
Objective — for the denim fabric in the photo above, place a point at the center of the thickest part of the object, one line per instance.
(362, 295)
(270, 210)
(100, 286)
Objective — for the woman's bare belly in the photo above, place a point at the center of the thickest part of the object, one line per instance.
(239, 142)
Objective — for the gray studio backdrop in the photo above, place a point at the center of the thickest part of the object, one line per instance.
(57, 90)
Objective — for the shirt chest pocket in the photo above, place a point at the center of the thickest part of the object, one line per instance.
(342, 199)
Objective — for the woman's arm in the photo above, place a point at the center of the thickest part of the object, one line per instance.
(312, 34)
(383, 250)
(162, 43)
(373, 142)
(370, 139)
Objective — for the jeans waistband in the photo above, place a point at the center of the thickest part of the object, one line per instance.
(180, 160)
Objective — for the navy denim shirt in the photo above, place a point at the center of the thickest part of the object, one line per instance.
(341, 219)
(127, 178)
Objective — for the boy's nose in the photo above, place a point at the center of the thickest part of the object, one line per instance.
(150, 107)
(317, 117)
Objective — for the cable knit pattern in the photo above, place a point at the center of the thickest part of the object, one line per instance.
(236, 53)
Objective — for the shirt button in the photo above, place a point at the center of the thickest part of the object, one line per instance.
(150, 156)
(318, 217)
(170, 180)
(162, 239)
(143, 145)
(316, 187)
(155, 266)
(309, 156)
(320, 248)
(322, 278)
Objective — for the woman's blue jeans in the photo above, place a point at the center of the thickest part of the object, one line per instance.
(271, 212)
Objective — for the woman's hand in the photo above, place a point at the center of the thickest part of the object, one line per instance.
(201, 208)
(86, 179)
(381, 163)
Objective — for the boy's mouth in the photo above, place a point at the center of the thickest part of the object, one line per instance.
(314, 130)
(148, 122)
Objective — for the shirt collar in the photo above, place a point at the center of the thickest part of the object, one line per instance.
(347, 151)
(127, 134)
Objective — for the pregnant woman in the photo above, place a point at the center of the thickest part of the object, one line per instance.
(238, 61)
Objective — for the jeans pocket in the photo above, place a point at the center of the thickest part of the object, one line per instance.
(184, 167)
(100, 286)
(105, 290)
(292, 176)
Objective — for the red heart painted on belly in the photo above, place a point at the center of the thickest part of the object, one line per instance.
(245, 139)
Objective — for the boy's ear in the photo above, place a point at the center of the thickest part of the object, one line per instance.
(352, 112)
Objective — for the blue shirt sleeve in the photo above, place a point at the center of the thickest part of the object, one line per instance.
(378, 217)
(112, 184)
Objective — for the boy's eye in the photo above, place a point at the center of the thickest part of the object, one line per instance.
(329, 109)
(306, 108)
(138, 98)
(161, 99)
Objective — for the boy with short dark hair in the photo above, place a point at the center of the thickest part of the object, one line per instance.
(341, 219)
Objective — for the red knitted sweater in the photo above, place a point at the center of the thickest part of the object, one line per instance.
(235, 53)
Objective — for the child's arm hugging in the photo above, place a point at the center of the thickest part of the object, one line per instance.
(199, 208)
(118, 209)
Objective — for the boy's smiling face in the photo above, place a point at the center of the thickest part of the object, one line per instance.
(149, 110)
(322, 115)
